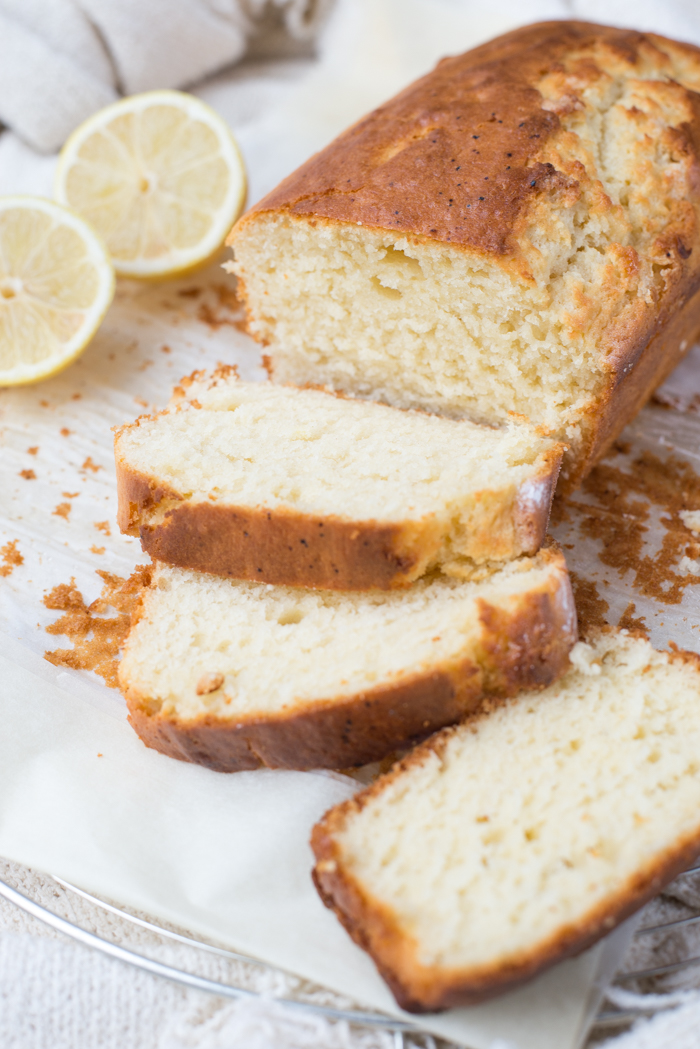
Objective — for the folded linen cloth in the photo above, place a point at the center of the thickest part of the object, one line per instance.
(60, 60)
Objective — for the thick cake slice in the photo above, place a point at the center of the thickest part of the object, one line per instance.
(515, 232)
(302, 488)
(235, 675)
(521, 837)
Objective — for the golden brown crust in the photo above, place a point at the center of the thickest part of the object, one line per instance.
(286, 548)
(534, 502)
(361, 729)
(463, 157)
(527, 647)
(421, 989)
(475, 123)
(270, 546)
(136, 495)
(636, 371)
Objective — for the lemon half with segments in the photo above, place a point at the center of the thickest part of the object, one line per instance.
(161, 179)
(56, 283)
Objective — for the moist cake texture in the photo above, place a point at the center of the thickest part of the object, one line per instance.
(522, 836)
(299, 487)
(515, 232)
(235, 675)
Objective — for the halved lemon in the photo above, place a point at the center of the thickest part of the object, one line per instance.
(56, 282)
(161, 179)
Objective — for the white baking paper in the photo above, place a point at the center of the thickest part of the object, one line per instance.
(226, 856)
(80, 796)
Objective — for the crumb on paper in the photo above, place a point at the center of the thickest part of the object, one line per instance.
(44, 404)
(28, 475)
(65, 432)
(688, 566)
(189, 293)
(634, 625)
(591, 608)
(618, 513)
(228, 310)
(165, 349)
(140, 401)
(144, 364)
(664, 399)
(103, 526)
(77, 397)
(62, 510)
(11, 558)
(89, 465)
(97, 636)
(70, 495)
(33, 450)
(691, 519)
(97, 549)
(367, 774)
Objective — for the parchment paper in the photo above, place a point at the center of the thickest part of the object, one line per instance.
(80, 796)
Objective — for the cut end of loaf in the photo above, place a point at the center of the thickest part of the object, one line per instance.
(529, 272)
(519, 838)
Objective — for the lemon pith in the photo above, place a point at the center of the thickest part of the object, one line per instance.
(161, 179)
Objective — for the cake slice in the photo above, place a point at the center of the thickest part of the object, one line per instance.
(235, 675)
(303, 488)
(517, 231)
(521, 837)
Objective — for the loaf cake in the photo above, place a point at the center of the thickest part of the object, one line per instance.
(235, 675)
(515, 232)
(303, 488)
(519, 838)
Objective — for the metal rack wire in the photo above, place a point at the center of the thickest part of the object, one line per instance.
(405, 1033)
(618, 1018)
(181, 976)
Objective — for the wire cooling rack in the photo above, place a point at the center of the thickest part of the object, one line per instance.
(405, 1034)
(200, 983)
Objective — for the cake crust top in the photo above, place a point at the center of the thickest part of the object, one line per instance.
(464, 154)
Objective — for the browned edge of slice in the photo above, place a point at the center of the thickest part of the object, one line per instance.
(636, 370)
(527, 647)
(288, 548)
(419, 988)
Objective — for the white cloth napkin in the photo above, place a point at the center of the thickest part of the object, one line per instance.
(60, 60)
